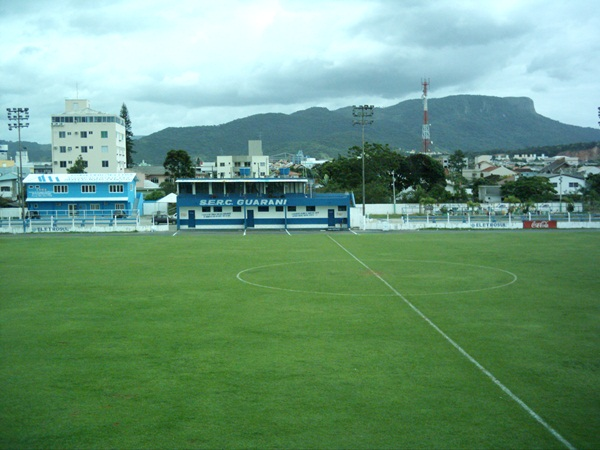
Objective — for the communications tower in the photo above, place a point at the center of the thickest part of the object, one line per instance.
(425, 133)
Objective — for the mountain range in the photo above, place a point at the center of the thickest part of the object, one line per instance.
(471, 123)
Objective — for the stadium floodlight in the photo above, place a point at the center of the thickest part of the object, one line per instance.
(363, 115)
(16, 119)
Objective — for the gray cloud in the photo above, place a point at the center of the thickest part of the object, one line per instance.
(201, 62)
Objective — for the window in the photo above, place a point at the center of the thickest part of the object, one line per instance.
(310, 208)
(573, 185)
(85, 163)
(63, 164)
(279, 208)
(83, 134)
(292, 208)
(7, 188)
(237, 209)
(61, 188)
(120, 206)
(88, 188)
(116, 188)
(94, 206)
(104, 134)
(62, 134)
(104, 163)
(222, 164)
(218, 209)
(206, 209)
(84, 149)
(63, 149)
(263, 209)
(342, 208)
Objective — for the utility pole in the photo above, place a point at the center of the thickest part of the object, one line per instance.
(16, 116)
(363, 116)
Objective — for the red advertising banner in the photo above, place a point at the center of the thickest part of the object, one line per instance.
(539, 224)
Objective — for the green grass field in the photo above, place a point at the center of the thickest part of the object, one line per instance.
(301, 341)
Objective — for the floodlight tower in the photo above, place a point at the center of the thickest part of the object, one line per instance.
(363, 115)
(425, 133)
(16, 116)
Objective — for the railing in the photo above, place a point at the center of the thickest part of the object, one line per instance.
(63, 222)
(466, 221)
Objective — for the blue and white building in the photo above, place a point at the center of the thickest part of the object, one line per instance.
(242, 203)
(85, 194)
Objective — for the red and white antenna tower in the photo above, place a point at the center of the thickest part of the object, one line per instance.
(426, 136)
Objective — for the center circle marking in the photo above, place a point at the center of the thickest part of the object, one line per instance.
(242, 275)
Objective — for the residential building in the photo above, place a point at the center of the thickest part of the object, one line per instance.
(9, 184)
(252, 165)
(97, 137)
(567, 184)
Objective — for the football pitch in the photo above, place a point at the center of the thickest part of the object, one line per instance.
(335, 340)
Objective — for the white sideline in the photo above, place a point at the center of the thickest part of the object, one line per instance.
(486, 372)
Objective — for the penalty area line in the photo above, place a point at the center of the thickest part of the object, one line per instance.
(463, 352)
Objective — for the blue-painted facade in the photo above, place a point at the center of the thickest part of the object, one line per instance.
(242, 203)
(93, 194)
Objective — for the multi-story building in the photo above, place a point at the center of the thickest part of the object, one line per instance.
(97, 137)
(83, 195)
(241, 203)
(253, 165)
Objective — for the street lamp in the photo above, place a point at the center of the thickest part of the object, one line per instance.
(16, 116)
(560, 192)
(394, 189)
(363, 116)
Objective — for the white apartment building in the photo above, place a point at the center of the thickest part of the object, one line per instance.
(97, 137)
(242, 166)
(253, 165)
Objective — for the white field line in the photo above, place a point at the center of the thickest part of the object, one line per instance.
(486, 372)
(287, 231)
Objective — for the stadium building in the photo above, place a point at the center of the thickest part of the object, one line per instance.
(275, 203)
(85, 194)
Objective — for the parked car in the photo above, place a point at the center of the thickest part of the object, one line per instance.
(32, 215)
(119, 214)
(161, 218)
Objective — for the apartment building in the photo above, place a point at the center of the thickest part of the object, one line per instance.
(97, 137)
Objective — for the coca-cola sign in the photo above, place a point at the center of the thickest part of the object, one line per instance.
(541, 224)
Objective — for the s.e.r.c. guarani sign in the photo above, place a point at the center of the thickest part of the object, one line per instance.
(539, 224)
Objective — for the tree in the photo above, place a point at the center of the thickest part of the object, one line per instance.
(421, 170)
(128, 136)
(535, 189)
(78, 166)
(168, 187)
(178, 164)
(155, 195)
(344, 173)
(456, 161)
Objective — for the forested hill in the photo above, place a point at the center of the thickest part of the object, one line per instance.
(471, 123)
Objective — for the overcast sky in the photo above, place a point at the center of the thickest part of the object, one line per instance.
(207, 62)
